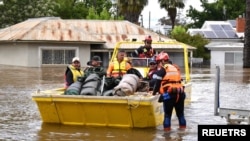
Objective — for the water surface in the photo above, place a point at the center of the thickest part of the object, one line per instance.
(20, 119)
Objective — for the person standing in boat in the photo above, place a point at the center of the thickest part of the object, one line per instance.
(145, 51)
(168, 84)
(119, 66)
(73, 71)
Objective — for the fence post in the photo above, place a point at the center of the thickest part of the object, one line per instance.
(217, 92)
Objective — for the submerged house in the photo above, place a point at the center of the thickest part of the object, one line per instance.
(51, 41)
(226, 41)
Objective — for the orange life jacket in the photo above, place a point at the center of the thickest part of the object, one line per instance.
(171, 82)
(119, 68)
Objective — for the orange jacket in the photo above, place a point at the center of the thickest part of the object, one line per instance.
(116, 69)
(172, 80)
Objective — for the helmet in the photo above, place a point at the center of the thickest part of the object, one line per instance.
(152, 60)
(148, 38)
(162, 56)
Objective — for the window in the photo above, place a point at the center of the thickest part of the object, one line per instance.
(233, 58)
(57, 56)
(238, 58)
(229, 58)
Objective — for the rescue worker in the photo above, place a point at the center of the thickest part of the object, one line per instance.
(168, 85)
(145, 51)
(72, 72)
(119, 66)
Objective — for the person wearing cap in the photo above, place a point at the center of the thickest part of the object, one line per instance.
(152, 67)
(95, 67)
(151, 72)
(96, 61)
(73, 71)
(145, 51)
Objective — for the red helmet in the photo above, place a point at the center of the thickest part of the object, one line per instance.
(148, 38)
(162, 56)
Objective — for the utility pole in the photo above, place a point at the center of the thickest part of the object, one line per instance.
(225, 12)
(141, 20)
(115, 7)
(149, 20)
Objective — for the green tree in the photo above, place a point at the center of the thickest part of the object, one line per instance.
(171, 7)
(179, 33)
(15, 11)
(71, 9)
(105, 15)
(216, 11)
(78, 9)
(246, 49)
(92, 14)
(131, 9)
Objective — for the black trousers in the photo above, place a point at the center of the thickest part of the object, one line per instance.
(176, 102)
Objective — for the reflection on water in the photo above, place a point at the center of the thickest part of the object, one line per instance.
(89, 133)
(20, 119)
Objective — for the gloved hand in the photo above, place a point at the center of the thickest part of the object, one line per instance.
(166, 96)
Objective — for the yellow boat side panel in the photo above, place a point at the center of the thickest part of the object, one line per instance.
(131, 111)
(48, 111)
(139, 110)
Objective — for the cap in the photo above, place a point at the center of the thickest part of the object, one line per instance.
(151, 60)
(96, 58)
(75, 59)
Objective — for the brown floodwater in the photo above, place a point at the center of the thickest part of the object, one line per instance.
(20, 119)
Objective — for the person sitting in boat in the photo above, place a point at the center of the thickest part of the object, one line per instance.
(95, 66)
(119, 66)
(152, 70)
(145, 51)
(73, 71)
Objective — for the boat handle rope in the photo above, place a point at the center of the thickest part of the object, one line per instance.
(133, 106)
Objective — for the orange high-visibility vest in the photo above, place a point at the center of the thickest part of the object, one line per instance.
(172, 80)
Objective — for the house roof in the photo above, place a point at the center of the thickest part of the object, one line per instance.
(55, 29)
(46, 29)
(217, 30)
(225, 45)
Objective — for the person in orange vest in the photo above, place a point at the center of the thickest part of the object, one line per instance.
(119, 66)
(145, 51)
(168, 84)
(72, 72)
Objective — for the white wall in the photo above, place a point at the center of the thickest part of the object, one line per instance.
(217, 58)
(84, 55)
(13, 54)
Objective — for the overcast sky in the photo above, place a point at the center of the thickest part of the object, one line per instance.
(153, 9)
